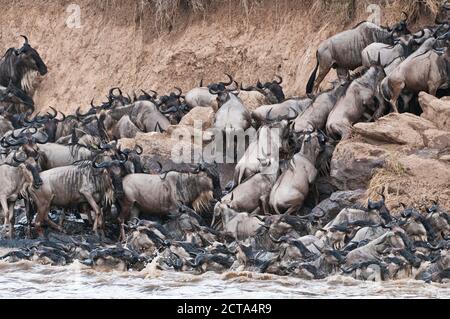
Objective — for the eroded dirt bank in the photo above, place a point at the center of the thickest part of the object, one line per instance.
(128, 43)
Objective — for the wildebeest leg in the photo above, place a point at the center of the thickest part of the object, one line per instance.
(396, 92)
(124, 216)
(381, 108)
(323, 72)
(406, 100)
(98, 222)
(4, 204)
(11, 220)
(264, 204)
(62, 218)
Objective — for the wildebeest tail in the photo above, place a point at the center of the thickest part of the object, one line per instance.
(386, 90)
(312, 79)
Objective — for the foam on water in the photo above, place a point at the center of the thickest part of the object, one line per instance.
(30, 280)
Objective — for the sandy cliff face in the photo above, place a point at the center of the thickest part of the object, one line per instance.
(123, 43)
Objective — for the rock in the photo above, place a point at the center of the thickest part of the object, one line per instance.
(436, 139)
(252, 100)
(203, 115)
(353, 164)
(403, 129)
(166, 145)
(436, 110)
(330, 207)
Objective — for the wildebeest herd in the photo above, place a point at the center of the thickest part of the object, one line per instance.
(66, 179)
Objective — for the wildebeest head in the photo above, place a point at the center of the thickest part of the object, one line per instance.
(211, 170)
(117, 100)
(221, 86)
(401, 28)
(442, 15)
(30, 58)
(27, 141)
(380, 208)
(272, 90)
(172, 106)
(223, 94)
(134, 156)
(29, 166)
(114, 170)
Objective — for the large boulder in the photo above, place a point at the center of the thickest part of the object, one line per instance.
(405, 155)
(354, 163)
(202, 115)
(436, 110)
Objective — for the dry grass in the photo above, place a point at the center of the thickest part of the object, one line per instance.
(338, 11)
(388, 180)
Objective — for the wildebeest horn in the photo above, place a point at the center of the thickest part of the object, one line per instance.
(405, 15)
(13, 142)
(259, 85)
(295, 116)
(422, 33)
(180, 92)
(26, 39)
(111, 92)
(54, 115)
(213, 92)
(248, 89)
(280, 80)
(231, 80)
(80, 115)
(19, 161)
(158, 128)
(172, 109)
(41, 141)
(102, 165)
(62, 119)
(138, 149)
(154, 96)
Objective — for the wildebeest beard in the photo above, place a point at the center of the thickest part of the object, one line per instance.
(118, 185)
(37, 181)
(137, 165)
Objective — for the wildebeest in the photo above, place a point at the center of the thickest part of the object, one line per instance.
(443, 13)
(252, 195)
(84, 182)
(287, 110)
(361, 95)
(201, 96)
(16, 179)
(271, 90)
(292, 187)
(403, 47)
(232, 114)
(343, 50)
(264, 152)
(195, 188)
(315, 117)
(20, 67)
(238, 225)
(425, 70)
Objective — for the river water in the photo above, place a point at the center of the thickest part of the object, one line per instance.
(30, 280)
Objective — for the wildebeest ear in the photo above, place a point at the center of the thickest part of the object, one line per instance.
(259, 85)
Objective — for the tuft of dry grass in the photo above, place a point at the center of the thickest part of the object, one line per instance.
(388, 179)
(337, 11)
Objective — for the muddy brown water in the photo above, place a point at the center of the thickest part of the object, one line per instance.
(30, 280)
